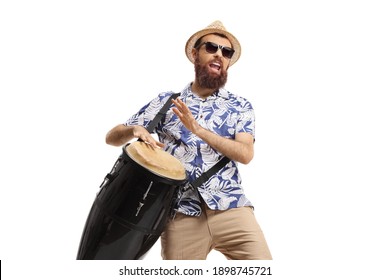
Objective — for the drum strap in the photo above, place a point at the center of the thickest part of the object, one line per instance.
(152, 125)
(205, 175)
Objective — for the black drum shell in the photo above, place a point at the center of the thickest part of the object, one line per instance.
(129, 213)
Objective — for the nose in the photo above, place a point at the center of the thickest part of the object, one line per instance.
(218, 53)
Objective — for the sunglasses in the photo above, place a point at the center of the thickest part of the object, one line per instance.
(213, 48)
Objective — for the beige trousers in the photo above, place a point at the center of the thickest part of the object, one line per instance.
(234, 232)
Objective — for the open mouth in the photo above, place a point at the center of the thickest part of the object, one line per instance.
(215, 67)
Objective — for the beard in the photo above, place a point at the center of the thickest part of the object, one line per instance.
(209, 80)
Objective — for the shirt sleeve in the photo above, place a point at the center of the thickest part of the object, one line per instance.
(147, 113)
(246, 119)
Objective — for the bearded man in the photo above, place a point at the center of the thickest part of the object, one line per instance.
(204, 124)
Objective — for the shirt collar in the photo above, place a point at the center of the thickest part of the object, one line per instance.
(222, 92)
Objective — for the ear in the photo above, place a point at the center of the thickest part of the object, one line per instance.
(194, 53)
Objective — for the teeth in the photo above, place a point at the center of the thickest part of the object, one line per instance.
(216, 65)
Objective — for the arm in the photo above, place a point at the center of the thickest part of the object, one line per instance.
(240, 149)
(121, 134)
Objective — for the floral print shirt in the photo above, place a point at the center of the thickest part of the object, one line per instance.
(223, 113)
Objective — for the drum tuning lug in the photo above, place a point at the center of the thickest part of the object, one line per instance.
(139, 208)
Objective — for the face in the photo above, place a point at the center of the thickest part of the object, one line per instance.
(211, 68)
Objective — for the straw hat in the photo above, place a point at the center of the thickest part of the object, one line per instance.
(215, 27)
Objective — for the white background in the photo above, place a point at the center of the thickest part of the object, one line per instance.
(316, 72)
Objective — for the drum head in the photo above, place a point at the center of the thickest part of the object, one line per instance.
(156, 160)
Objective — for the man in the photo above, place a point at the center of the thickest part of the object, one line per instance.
(205, 123)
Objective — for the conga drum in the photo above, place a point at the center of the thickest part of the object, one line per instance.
(133, 205)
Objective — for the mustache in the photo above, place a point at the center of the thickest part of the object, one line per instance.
(216, 60)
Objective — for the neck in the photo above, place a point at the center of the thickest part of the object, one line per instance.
(200, 91)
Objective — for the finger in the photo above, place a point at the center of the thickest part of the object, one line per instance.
(183, 110)
(180, 104)
(145, 139)
(177, 112)
(160, 145)
(177, 104)
(151, 143)
(154, 143)
(184, 107)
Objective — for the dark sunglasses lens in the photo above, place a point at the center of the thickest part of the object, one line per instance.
(227, 52)
(211, 47)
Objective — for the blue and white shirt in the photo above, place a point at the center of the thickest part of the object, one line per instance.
(223, 113)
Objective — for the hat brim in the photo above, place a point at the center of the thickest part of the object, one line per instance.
(233, 40)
